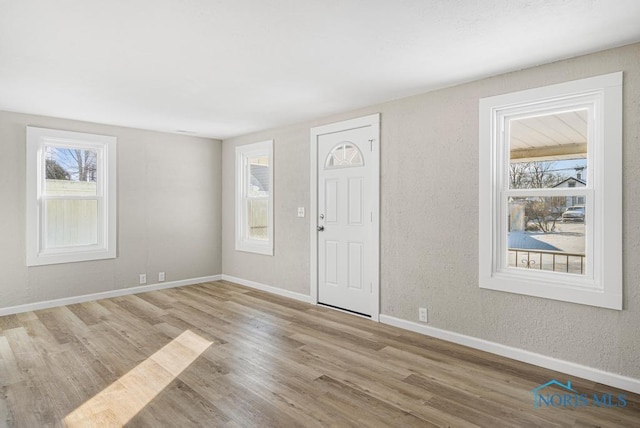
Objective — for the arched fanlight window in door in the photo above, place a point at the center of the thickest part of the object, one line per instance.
(344, 155)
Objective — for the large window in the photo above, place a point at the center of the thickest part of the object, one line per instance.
(254, 198)
(71, 196)
(550, 192)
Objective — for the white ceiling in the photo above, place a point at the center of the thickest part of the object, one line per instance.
(549, 137)
(220, 68)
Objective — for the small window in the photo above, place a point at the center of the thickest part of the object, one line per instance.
(344, 155)
(71, 203)
(550, 192)
(254, 202)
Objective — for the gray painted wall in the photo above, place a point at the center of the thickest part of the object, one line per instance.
(429, 220)
(169, 213)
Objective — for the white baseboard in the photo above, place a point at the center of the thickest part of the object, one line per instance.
(578, 370)
(270, 289)
(105, 295)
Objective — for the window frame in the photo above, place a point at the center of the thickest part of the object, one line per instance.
(105, 147)
(243, 242)
(602, 284)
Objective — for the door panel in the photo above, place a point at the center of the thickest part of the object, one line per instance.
(345, 241)
(356, 265)
(355, 201)
(331, 201)
(331, 264)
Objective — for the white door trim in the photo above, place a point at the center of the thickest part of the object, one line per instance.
(372, 121)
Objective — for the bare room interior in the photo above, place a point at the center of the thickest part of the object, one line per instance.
(304, 213)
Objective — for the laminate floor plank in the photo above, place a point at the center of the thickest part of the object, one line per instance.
(475, 399)
(179, 406)
(346, 357)
(194, 307)
(471, 415)
(140, 308)
(4, 410)
(22, 406)
(10, 372)
(262, 335)
(86, 312)
(24, 351)
(355, 398)
(203, 377)
(176, 321)
(262, 330)
(218, 354)
(8, 322)
(207, 291)
(394, 391)
(197, 317)
(243, 313)
(316, 323)
(115, 354)
(57, 321)
(249, 410)
(255, 305)
(266, 387)
(161, 300)
(462, 375)
(140, 335)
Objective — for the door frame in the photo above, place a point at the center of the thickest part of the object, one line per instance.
(372, 121)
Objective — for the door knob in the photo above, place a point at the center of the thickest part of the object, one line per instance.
(320, 228)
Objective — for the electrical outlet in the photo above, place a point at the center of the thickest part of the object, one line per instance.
(161, 277)
(300, 211)
(422, 314)
(143, 278)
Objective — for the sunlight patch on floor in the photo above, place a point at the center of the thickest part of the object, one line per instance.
(122, 400)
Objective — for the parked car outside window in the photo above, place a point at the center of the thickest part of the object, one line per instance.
(574, 213)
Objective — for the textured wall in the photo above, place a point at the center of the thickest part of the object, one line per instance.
(288, 268)
(169, 213)
(429, 221)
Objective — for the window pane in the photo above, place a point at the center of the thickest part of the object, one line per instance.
(548, 151)
(344, 155)
(258, 176)
(70, 171)
(547, 233)
(257, 219)
(71, 223)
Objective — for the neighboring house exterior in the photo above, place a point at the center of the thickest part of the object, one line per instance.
(569, 201)
(260, 177)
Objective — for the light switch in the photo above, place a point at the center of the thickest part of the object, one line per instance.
(300, 211)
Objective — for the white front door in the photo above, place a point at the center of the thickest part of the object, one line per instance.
(347, 218)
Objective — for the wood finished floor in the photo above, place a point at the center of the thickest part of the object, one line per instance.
(218, 354)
